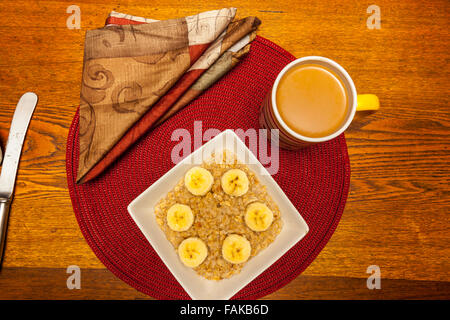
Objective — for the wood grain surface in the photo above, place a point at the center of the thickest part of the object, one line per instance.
(397, 214)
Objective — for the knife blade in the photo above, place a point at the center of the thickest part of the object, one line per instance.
(19, 125)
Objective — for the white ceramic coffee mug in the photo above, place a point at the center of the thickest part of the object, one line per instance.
(270, 118)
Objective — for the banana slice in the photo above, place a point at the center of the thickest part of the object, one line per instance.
(192, 252)
(198, 181)
(180, 217)
(236, 249)
(258, 216)
(235, 182)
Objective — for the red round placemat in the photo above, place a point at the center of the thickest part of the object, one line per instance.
(315, 179)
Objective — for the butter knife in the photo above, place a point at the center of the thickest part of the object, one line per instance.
(19, 125)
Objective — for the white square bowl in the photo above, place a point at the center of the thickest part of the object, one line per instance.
(141, 210)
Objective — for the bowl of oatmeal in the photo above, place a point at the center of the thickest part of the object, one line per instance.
(218, 219)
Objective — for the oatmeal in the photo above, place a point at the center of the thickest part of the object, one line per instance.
(233, 216)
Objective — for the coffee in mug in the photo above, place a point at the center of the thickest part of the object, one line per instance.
(312, 100)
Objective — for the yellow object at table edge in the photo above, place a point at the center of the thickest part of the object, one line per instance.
(367, 102)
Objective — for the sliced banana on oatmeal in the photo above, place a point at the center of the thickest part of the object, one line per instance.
(180, 217)
(235, 182)
(192, 252)
(258, 216)
(198, 181)
(236, 249)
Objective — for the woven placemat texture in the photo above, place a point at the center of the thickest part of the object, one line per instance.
(315, 179)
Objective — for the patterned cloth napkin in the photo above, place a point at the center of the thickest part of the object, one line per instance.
(138, 72)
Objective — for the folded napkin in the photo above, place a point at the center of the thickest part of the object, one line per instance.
(138, 72)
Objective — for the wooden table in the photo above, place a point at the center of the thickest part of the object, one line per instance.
(397, 214)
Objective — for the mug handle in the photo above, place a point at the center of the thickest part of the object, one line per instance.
(366, 102)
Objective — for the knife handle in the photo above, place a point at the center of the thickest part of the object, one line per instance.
(4, 214)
